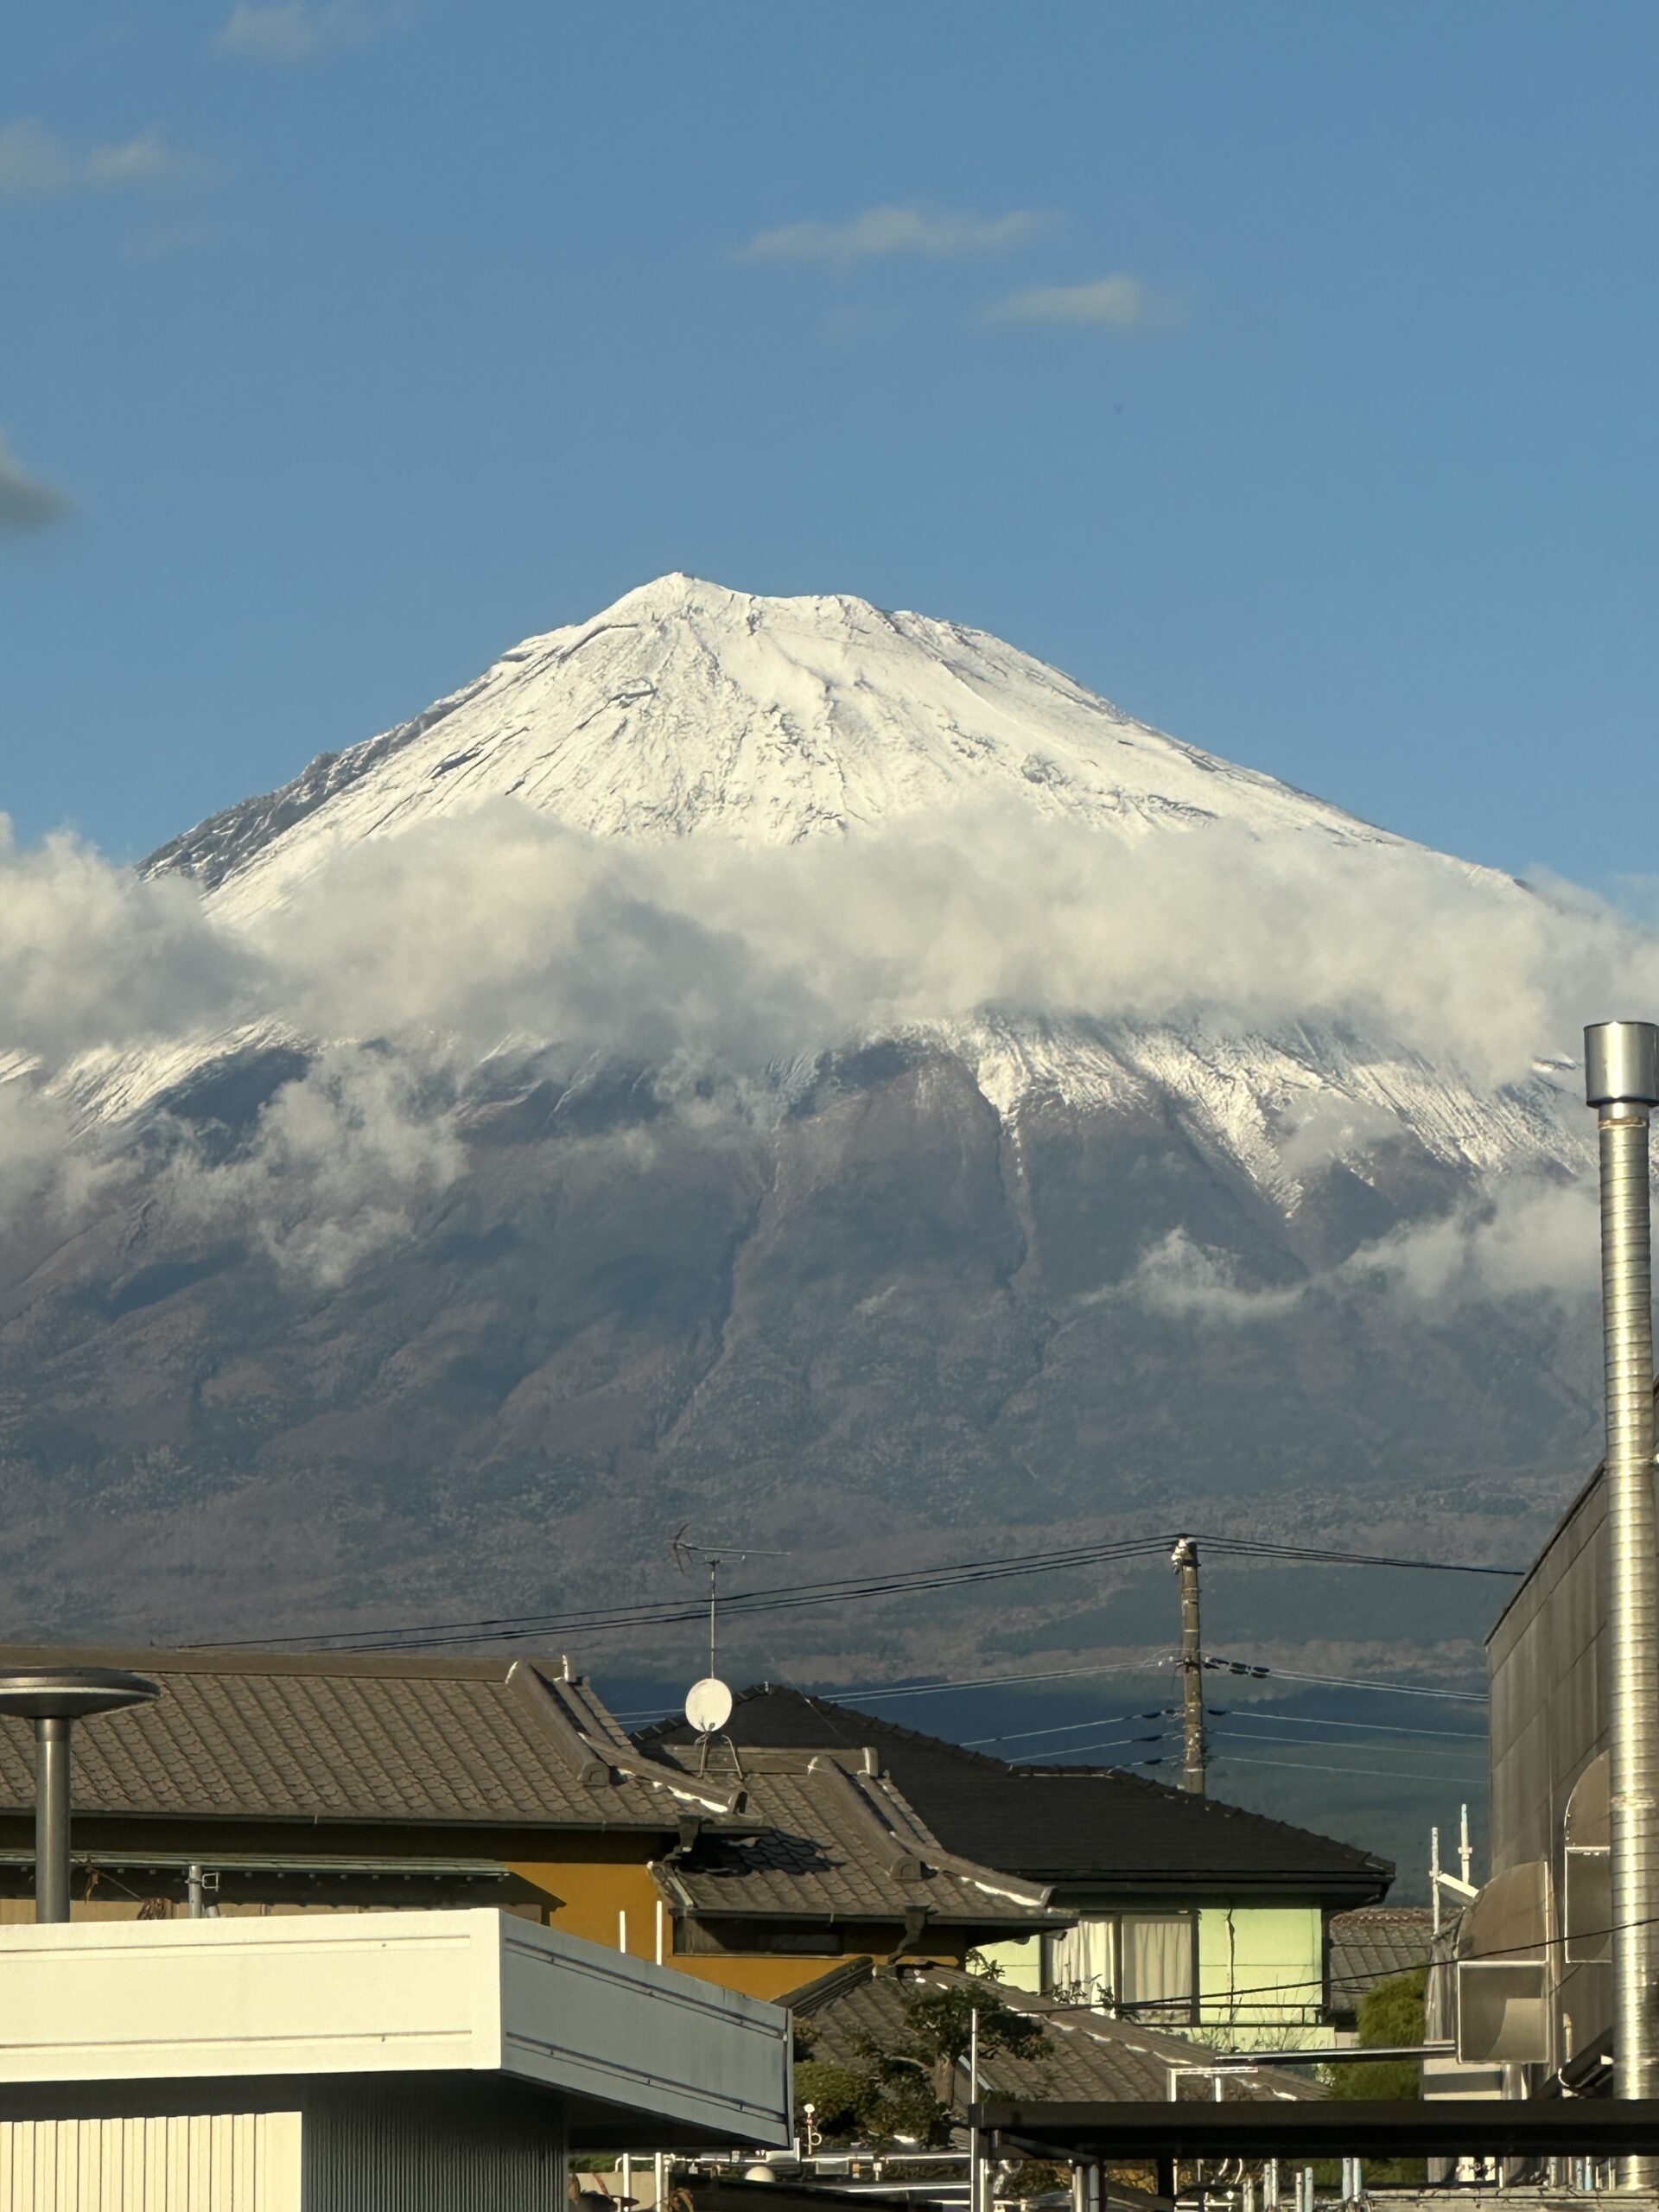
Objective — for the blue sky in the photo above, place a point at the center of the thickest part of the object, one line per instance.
(1286, 372)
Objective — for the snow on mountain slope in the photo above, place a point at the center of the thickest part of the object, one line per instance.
(685, 710)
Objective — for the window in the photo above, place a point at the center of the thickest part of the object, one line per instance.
(1141, 1964)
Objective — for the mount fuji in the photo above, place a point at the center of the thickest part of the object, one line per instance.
(1095, 1142)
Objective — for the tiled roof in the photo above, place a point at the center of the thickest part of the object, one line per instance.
(347, 1737)
(1086, 2058)
(1374, 1946)
(1079, 1826)
(831, 1845)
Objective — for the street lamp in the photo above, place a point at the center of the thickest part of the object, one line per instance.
(54, 1698)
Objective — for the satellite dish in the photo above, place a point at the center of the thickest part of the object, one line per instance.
(709, 1704)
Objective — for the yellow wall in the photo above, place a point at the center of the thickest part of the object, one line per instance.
(589, 1897)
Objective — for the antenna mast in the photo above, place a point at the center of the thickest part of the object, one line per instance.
(709, 1702)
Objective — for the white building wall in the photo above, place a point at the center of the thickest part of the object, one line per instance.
(196, 2162)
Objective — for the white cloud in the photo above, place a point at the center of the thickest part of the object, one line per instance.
(718, 963)
(339, 1160)
(91, 958)
(36, 163)
(1109, 303)
(1525, 1238)
(878, 231)
(292, 30)
(25, 502)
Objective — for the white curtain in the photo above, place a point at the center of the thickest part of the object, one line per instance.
(1080, 1961)
(1156, 1963)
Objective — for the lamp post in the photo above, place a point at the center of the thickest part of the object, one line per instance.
(54, 1698)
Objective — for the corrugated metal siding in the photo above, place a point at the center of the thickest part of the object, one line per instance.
(204, 2162)
(404, 2147)
(1549, 1722)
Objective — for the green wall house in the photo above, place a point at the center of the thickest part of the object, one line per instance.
(1189, 1914)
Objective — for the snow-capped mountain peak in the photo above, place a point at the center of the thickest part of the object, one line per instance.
(686, 709)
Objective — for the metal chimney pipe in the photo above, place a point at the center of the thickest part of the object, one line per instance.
(54, 1698)
(1621, 1067)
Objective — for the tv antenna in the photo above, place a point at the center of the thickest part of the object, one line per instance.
(709, 1702)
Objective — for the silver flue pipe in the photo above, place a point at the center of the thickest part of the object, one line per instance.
(1621, 1067)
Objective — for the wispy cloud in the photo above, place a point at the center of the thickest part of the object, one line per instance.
(25, 502)
(1116, 303)
(292, 30)
(36, 163)
(934, 233)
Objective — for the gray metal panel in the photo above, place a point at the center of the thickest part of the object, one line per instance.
(394, 2146)
(1548, 1723)
(704, 2062)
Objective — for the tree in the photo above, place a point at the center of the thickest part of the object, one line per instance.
(1390, 2014)
(905, 2089)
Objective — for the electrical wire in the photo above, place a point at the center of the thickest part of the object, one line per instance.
(1301, 1766)
(1337, 1744)
(1067, 1728)
(1324, 1720)
(872, 1694)
(1247, 1548)
(780, 1597)
(1257, 1673)
(787, 1597)
(1109, 1743)
(1368, 1980)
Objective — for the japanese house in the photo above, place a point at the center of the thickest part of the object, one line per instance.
(1187, 1912)
(363, 1781)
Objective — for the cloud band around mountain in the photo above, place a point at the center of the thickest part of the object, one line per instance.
(417, 954)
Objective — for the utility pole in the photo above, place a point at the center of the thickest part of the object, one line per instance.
(1621, 1069)
(1185, 1561)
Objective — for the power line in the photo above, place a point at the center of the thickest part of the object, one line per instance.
(1070, 1728)
(915, 1581)
(782, 1597)
(1247, 1548)
(1110, 1743)
(1366, 1981)
(1257, 1673)
(1324, 1720)
(1336, 1743)
(876, 1694)
(1301, 1766)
